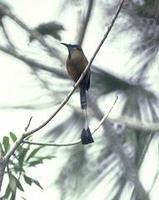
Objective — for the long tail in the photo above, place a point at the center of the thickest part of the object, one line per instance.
(86, 136)
(83, 97)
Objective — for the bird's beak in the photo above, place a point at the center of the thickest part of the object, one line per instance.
(68, 48)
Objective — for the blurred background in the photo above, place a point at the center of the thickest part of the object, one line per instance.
(33, 82)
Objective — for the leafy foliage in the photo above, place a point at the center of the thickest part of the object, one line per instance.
(51, 28)
(24, 157)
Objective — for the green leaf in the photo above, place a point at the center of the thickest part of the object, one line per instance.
(1, 150)
(48, 157)
(37, 183)
(6, 144)
(19, 185)
(22, 155)
(13, 136)
(45, 157)
(30, 180)
(33, 153)
(35, 162)
(27, 179)
(18, 169)
(12, 183)
(8, 191)
(13, 196)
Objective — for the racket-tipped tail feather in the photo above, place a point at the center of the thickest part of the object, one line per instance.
(86, 136)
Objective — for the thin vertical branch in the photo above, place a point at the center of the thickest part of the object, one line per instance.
(7, 37)
(85, 22)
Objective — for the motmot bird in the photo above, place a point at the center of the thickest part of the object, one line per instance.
(75, 64)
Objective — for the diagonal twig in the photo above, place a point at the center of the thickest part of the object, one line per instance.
(78, 141)
(29, 122)
(7, 37)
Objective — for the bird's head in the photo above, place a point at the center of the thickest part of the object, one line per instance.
(72, 48)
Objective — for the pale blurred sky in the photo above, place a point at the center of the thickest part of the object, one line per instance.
(16, 83)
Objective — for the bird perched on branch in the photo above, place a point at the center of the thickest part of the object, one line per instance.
(75, 64)
(51, 28)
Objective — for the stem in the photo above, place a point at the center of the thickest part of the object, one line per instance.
(78, 141)
(7, 37)
(85, 23)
